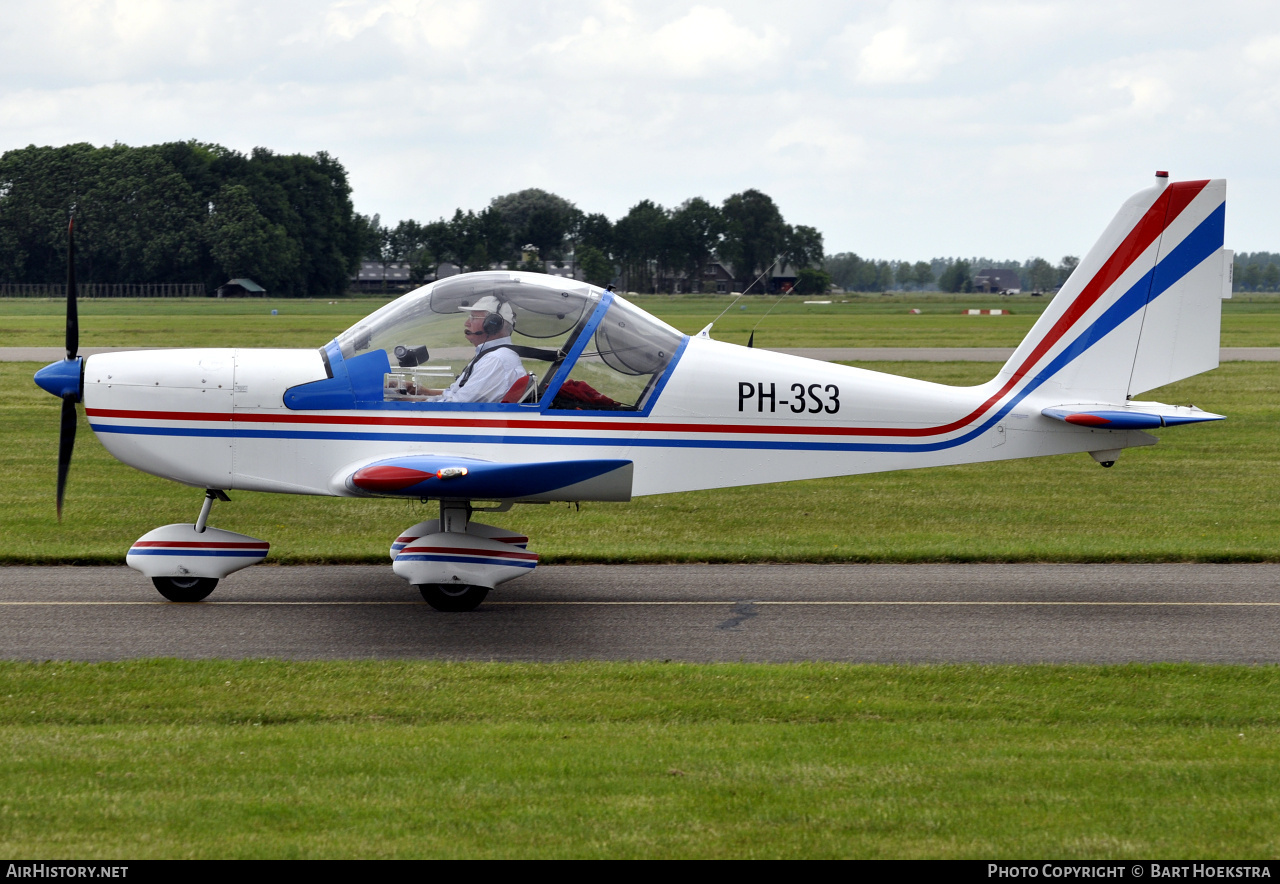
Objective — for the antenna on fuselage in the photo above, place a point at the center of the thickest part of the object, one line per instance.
(707, 331)
(751, 340)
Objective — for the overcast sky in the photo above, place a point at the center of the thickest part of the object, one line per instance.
(901, 130)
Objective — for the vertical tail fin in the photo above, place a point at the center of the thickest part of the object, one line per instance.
(1143, 308)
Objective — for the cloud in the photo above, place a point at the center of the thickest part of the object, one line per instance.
(1148, 95)
(898, 128)
(704, 43)
(818, 143)
(708, 41)
(409, 25)
(1263, 52)
(894, 56)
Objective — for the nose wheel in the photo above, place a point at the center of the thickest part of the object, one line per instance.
(185, 589)
(452, 596)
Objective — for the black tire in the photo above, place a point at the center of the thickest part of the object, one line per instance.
(185, 589)
(453, 597)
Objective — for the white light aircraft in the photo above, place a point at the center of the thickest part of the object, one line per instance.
(618, 404)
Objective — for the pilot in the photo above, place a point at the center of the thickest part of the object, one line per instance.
(495, 367)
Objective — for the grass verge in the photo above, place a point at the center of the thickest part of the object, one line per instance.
(158, 758)
(849, 321)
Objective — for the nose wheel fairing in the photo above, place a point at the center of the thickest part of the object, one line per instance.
(181, 551)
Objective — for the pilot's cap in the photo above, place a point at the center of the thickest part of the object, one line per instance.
(490, 304)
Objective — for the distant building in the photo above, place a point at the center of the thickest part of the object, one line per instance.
(565, 268)
(784, 279)
(443, 269)
(992, 281)
(716, 277)
(375, 276)
(568, 271)
(379, 275)
(241, 288)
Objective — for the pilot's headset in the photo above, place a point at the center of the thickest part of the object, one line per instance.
(498, 313)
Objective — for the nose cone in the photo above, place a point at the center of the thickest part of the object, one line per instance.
(62, 378)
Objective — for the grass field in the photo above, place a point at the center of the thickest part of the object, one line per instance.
(232, 759)
(323, 760)
(850, 321)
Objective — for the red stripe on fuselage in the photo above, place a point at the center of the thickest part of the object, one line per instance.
(549, 422)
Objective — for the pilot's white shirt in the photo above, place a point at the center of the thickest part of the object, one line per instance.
(491, 378)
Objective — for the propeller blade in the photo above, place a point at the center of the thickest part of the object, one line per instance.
(66, 441)
(73, 316)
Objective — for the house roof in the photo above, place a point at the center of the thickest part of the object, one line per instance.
(247, 284)
(1005, 278)
(377, 271)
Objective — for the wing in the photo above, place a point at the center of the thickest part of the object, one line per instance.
(461, 478)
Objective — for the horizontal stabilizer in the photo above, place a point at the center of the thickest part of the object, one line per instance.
(441, 477)
(1135, 416)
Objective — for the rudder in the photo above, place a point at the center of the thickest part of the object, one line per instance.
(1141, 309)
(1182, 320)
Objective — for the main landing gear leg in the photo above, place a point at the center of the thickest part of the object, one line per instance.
(209, 497)
(454, 516)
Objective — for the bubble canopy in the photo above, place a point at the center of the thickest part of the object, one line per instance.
(545, 308)
(582, 333)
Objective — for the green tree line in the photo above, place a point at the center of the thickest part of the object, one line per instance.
(1256, 272)
(855, 274)
(649, 249)
(178, 212)
(192, 212)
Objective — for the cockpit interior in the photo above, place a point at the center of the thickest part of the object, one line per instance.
(583, 348)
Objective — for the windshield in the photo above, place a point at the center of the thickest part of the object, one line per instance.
(546, 310)
(422, 336)
(617, 371)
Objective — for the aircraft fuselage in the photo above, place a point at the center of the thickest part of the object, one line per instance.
(726, 416)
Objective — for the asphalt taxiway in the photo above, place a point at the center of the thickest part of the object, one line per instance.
(865, 613)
